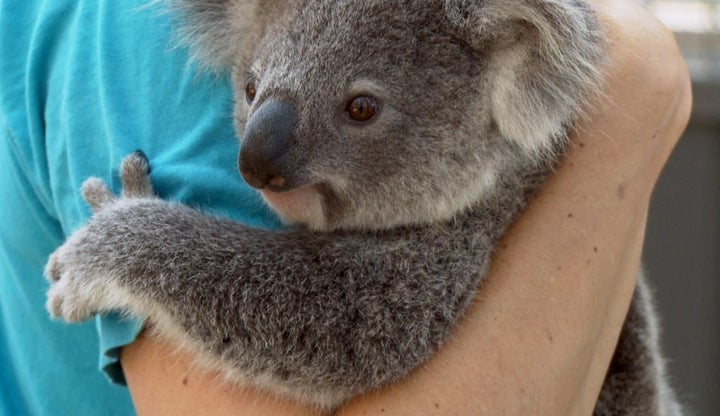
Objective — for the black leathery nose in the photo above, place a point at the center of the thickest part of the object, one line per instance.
(268, 138)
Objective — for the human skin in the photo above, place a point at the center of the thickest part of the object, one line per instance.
(541, 333)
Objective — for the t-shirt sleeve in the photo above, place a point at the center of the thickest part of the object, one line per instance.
(115, 331)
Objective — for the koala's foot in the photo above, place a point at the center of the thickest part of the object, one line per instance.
(79, 271)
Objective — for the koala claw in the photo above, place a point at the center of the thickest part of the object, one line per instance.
(135, 175)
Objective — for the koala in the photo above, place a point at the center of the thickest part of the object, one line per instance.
(399, 139)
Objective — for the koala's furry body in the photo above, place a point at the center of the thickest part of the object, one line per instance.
(400, 214)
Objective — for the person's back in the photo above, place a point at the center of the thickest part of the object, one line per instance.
(82, 84)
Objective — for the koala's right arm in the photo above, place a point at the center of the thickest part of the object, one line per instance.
(317, 316)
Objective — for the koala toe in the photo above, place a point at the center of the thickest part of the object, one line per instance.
(135, 175)
(54, 302)
(67, 302)
(97, 193)
(53, 268)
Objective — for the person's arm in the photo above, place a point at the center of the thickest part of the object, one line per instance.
(541, 334)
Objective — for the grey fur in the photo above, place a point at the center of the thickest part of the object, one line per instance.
(400, 215)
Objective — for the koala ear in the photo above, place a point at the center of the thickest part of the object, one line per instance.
(545, 60)
(221, 32)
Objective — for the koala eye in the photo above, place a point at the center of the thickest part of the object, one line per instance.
(250, 91)
(362, 108)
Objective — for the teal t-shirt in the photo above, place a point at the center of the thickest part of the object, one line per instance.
(82, 84)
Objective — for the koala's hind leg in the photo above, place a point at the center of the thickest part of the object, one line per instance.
(635, 383)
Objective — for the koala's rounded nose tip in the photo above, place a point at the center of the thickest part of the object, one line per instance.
(250, 178)
(259, 181)
(264, 159)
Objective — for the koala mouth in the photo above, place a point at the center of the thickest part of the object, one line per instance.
(316, 205)
(303, 205)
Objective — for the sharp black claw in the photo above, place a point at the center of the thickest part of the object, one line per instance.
(142, 154)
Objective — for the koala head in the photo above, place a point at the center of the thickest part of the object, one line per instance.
(377, 114)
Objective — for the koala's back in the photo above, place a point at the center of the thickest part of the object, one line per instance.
(636, 382)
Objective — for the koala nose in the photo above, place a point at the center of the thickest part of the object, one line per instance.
(267, 140)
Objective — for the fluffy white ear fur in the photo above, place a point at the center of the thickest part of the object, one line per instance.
(542, 77)
(221, 33)
(207, 30)
(523, 112)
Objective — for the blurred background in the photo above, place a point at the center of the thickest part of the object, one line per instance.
(682, 248)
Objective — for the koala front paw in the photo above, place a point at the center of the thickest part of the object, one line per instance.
(135, 176)
(74, 295)
(80, 271)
